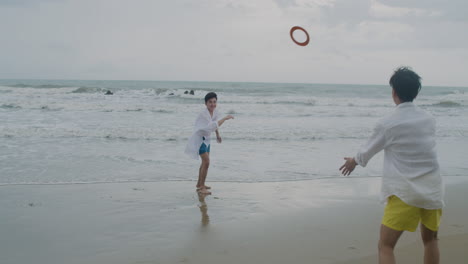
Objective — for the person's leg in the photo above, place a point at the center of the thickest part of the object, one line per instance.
(431, 245)
(206, 174)
(202, 152)
(203, 183)
(203, 172)
(199, 175)
(387, 242)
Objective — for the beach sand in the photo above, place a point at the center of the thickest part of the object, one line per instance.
(334, 220)
(452, 248)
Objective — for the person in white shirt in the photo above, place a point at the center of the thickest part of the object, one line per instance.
(207, 122)
(411, 182)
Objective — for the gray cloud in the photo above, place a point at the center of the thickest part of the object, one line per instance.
(225, 40)
(455, 10)
(285, 3)
(349, 12)
(23, 3)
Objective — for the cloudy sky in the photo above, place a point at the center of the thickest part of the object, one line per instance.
(352, 41)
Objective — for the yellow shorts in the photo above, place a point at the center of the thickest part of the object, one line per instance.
(400, 216)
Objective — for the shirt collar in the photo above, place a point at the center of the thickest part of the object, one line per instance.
(405, 104)
(208, 112)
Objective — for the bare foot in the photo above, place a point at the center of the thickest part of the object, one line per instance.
(203, 191)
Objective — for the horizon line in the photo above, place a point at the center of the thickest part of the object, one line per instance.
(148, 80)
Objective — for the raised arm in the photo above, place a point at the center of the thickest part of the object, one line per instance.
(221, 121)
(205, 126)
(218, 136)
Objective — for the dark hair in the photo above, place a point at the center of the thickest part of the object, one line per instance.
(210, 95)
(406, 84)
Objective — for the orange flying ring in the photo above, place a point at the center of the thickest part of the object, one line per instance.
(303, 30)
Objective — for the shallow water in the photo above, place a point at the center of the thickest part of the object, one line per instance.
(70, 132)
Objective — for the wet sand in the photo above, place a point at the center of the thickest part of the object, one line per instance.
(317, 221)
(452, 248)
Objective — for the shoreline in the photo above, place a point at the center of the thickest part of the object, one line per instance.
(313, 221)
(330, 177)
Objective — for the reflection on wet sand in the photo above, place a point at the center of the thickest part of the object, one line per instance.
(205, 219)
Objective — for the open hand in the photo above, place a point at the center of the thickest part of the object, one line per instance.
(348, 167)
(218, 139)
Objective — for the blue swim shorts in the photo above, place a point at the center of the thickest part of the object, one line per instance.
(204, 148)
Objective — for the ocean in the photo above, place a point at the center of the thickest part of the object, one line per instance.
(70, 132)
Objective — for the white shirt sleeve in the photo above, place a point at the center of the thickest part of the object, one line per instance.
(373, 146)
(205, 126)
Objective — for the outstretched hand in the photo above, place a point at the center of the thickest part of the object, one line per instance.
(348, 167)
(221, 121)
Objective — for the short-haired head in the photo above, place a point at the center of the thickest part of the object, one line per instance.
(210, 95)
(406, 84)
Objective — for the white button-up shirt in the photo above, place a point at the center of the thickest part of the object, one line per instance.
(410, 170)
(205, 124)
